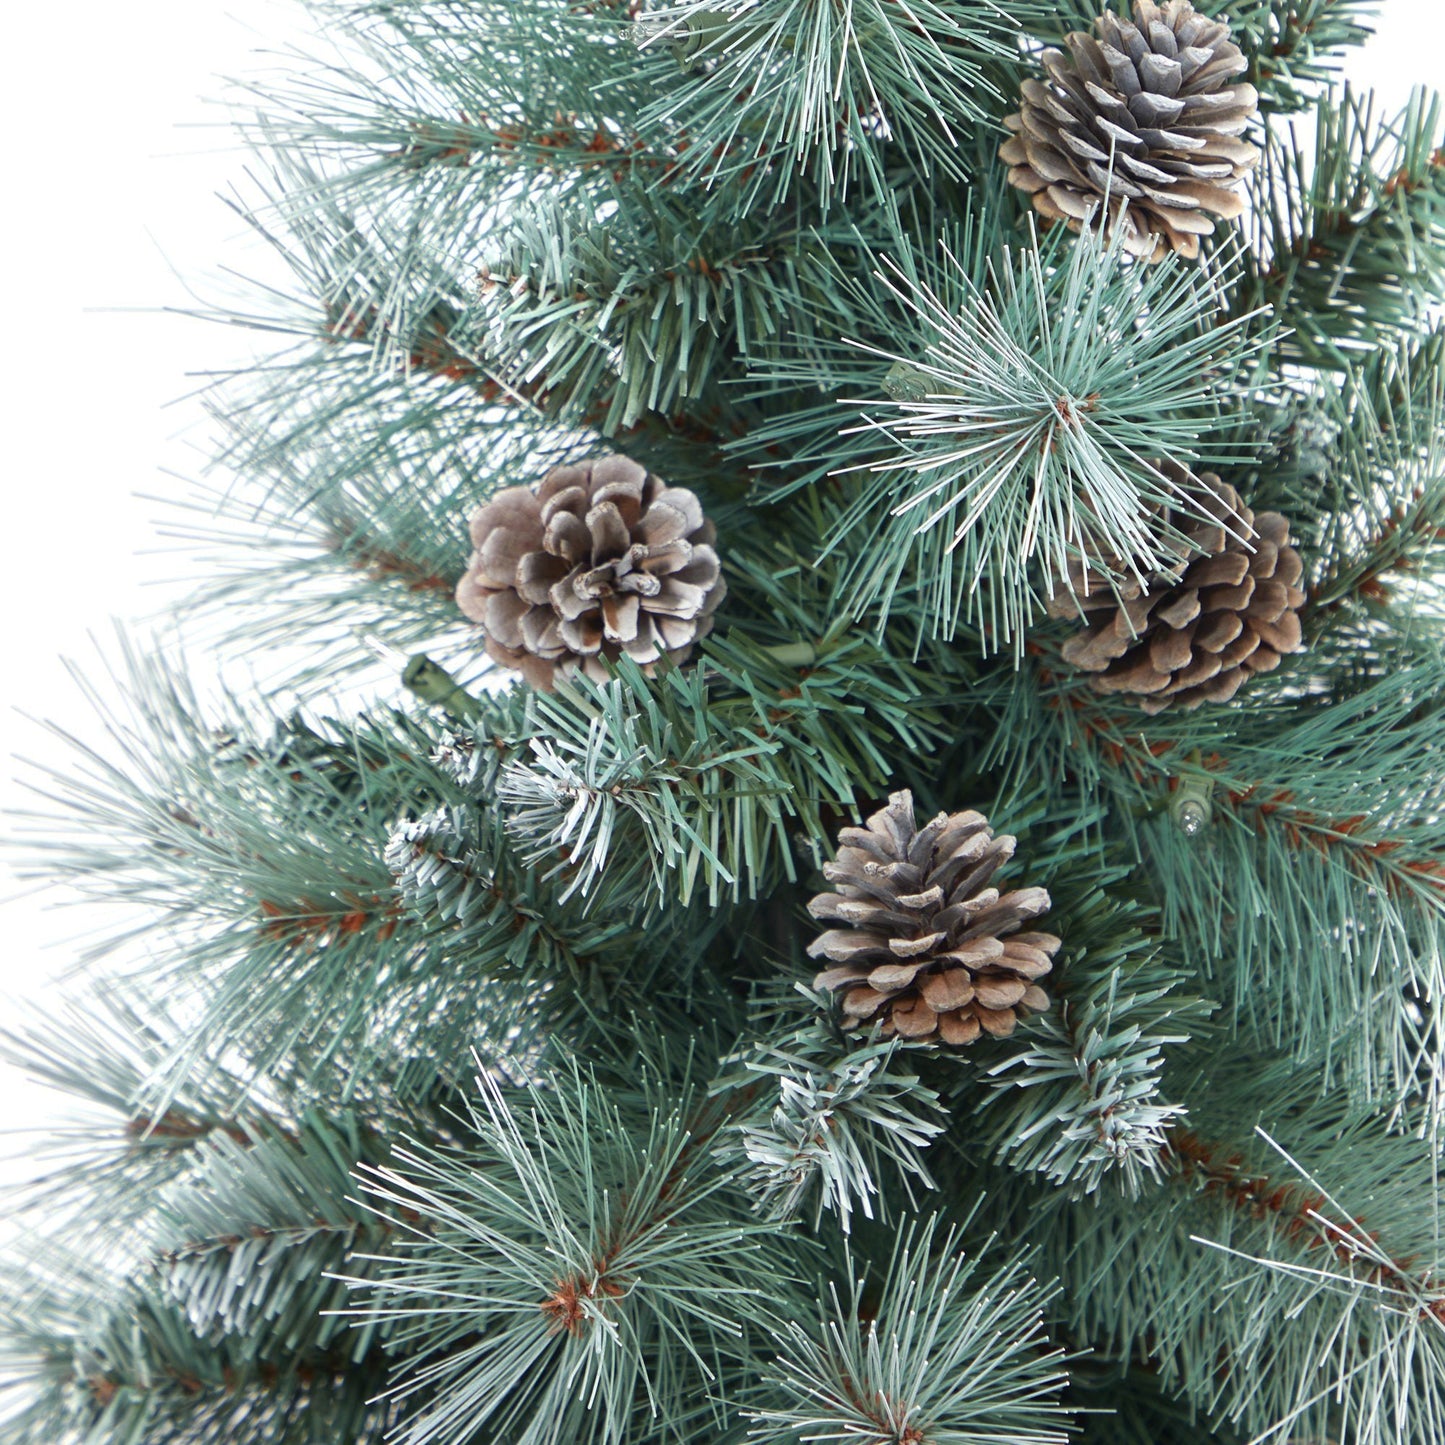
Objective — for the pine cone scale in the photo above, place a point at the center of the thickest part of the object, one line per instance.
(542, 633)
(1217, 631)
(1169, 651)
(611, 536)
(1283, 636)
(999, 1023)
(1138, 678)
(999, 993)
(1270, 600)
(502, 616)
(863, 840)
(566, 537)
(620, 616)
(958, 1028)
(951, 989)
(1028, 963)
(503, 553)
(1182, 613)
(568, 600)
(842, 945)
(913, 947)
(978, 953)
(954, 917)
(1094, 650)
(913, 1019)
(974, 862)
(537, 574)
(863, 1003)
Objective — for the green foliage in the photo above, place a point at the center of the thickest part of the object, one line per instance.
(933, 1348)
(569, 801)
(1023, 423)
(612, 315)
(1253, 1284)
(219, 1338)
(360, 541)
(578, 1266)
(824, 1118)
(267, 875)
(1123, 1406)
(1336, 859)
(1349, 236)
(454, 871)
(1389, 498)
(1295, 45)
(703, 777)
(1081, 1103)
(105, 1054)
(249, 1244)
(260, 870)
(777, 89)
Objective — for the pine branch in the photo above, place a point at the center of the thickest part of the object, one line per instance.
(523, 231)
(247, 1245)
(706, 777)
(662, 784)
(1299, 44)
(935, 1347)
(613, 311)
(1383, 517)
(1124, 1404)
(264, 876)
(1349, 240)
(772, 91)
(106, 1055)
(1082, 1104)
(138, 1372)
(517, 929)
(1335, 856)
(828, 1120)
(1021, 427)
(1301, 1319)
(578, 1270)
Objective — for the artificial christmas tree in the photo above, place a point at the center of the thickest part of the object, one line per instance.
(469, 1074)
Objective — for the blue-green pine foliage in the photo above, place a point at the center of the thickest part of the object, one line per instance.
(447, 1067)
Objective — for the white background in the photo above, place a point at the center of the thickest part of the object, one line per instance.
(114, 151)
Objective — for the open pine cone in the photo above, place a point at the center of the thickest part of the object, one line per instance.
(602, 559)
(1194, 634)
(928, 948)
(1145, 114)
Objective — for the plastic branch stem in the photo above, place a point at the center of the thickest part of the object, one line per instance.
(434, 684)
(794, 654)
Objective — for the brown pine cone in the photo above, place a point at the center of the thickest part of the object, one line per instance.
(1153, 101)
(928, 948)
(602, 559)
(1193, 634)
